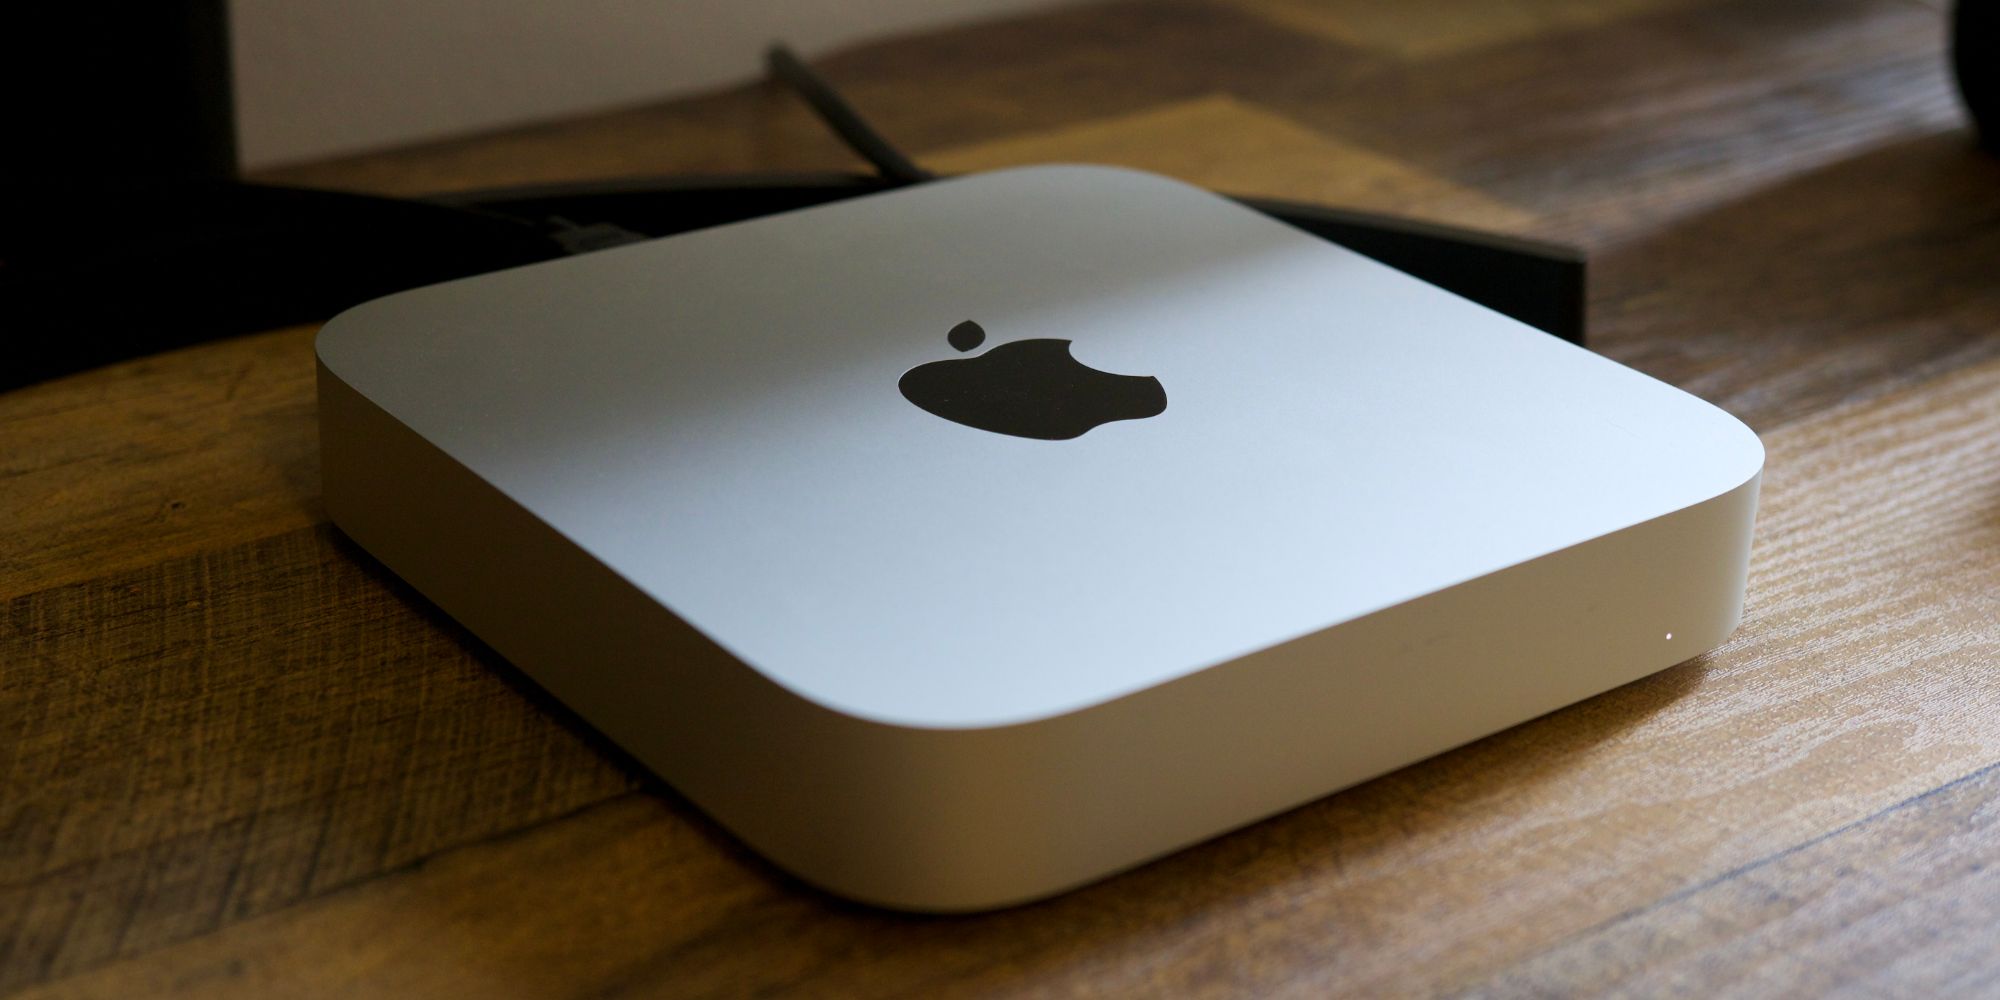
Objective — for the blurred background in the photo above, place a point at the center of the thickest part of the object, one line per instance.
(1589, 123)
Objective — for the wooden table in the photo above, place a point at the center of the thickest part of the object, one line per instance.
(240, 759)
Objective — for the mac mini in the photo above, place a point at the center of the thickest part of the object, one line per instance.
(964, 544)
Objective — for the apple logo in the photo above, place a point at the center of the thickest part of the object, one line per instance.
(1028, 388)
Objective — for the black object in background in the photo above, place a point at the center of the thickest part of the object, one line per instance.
(123, 94)
(123, 230)
(1975, 57)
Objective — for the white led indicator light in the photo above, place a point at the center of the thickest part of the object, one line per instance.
(1670, 635)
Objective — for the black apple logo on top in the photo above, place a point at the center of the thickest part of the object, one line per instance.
(1028, 388)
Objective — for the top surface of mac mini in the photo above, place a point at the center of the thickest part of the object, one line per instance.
(960, 545)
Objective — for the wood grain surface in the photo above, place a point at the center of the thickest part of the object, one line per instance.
(240, 759)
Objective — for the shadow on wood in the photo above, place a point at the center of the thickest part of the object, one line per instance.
(1867, 274)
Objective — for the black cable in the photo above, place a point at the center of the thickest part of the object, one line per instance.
(840, 116)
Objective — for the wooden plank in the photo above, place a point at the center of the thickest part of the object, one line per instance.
(1860, 678)
(157, 458)
(1831, 286)
(746, 128)
(1227, 145)
(223, 734)
(1619, 126)
(1905, 903)
(1418, 30)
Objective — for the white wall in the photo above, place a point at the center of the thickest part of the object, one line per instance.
(316, 78)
